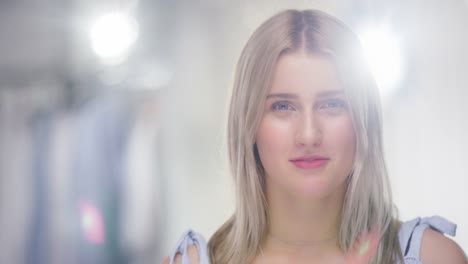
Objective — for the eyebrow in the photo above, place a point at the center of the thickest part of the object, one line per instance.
(282, 95)
(330, 93)
(293, 96)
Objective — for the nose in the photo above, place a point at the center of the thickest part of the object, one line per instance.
(309, 131)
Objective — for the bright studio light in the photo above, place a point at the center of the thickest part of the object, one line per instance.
(383, 53)
(112, 35)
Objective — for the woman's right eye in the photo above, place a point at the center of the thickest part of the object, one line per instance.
(281, 106)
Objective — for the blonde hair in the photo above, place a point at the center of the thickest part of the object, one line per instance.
(368, 202)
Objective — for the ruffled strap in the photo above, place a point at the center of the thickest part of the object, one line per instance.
(411, 234)
(191, 238)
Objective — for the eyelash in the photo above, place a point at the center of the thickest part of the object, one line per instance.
(274, 106)
(338, 104)
(332, 104)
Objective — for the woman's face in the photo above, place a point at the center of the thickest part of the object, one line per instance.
(306, 139)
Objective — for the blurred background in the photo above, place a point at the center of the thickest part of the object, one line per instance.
(112, 117)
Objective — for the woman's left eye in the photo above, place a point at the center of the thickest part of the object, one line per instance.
(332, 104)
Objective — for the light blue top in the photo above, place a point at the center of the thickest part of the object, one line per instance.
(410, 236)
(411, 233)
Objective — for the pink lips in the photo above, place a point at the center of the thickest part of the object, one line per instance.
(310, 162)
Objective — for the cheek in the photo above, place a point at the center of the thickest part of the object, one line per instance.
(342, 139)
(272, 140)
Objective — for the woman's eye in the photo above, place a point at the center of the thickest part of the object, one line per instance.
(282, 106)
(332, 104)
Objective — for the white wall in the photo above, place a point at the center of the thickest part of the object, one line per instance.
(426, 122)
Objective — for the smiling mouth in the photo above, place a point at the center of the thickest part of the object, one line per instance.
(310, 163)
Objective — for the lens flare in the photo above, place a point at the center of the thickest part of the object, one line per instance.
(112, 35)
(92, 223)
(383, 53)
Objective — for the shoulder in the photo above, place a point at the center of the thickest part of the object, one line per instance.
(166, 260)
(437, 248)
(192, 254)
(191, 248)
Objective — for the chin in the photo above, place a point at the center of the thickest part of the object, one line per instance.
(318, 189)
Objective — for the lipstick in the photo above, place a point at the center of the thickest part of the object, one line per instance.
(310, 162)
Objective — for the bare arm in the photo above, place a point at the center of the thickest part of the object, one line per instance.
(192, 253)
(437, 248)
(165, 260)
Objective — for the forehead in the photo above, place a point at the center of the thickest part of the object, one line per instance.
(301, 72)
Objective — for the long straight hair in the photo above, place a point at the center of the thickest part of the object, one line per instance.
(368, 201)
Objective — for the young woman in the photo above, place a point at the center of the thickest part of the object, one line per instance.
(305, 149)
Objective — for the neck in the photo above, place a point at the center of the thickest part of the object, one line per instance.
(303, 223)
